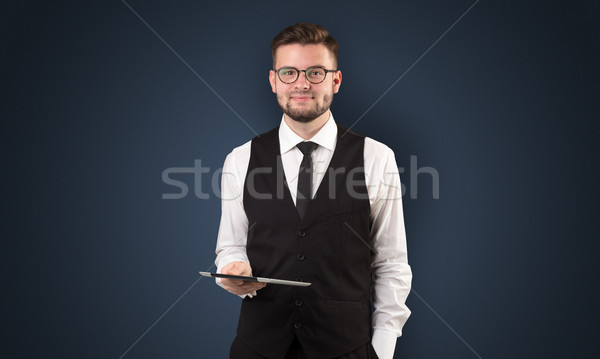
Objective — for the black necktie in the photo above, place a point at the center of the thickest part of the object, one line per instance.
(304, 177)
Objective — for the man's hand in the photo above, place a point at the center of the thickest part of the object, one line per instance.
(239, 287)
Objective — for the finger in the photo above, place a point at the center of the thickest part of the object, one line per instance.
(231, 283)
(251, 287)
(246, 288)
(236, 283)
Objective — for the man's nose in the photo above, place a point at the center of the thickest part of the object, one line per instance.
(302, 82)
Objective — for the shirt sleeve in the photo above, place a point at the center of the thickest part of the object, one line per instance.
(391, 273)
(233, 228)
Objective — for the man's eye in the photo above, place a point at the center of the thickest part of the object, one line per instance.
(316, 72)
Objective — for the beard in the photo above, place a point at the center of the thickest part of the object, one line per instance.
(307, 114)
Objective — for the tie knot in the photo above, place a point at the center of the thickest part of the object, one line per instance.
(306, 147)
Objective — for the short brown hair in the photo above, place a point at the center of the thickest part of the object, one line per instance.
(305, 33)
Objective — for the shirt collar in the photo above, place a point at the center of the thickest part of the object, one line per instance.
(326, 137)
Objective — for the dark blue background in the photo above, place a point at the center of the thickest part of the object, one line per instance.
(95, 107)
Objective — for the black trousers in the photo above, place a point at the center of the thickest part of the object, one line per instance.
(239, 350)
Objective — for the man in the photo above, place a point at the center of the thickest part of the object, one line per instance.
(311, 201)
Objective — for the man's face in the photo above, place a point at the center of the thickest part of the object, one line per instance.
(303, 101)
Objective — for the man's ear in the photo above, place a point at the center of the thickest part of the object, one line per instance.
(337, 81)
(273, 81)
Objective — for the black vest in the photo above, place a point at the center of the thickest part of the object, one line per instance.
(330, 247)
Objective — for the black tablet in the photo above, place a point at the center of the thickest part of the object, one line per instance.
(257, 279)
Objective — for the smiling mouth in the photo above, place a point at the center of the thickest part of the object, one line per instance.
(301, 98)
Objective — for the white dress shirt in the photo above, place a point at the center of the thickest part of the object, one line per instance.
(392, 274)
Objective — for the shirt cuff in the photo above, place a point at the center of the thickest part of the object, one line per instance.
(384, 343)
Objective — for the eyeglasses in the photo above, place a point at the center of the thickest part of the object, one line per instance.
(314, 75)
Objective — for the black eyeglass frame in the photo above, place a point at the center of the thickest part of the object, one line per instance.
(305, 74)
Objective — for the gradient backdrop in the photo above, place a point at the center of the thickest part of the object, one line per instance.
(95, 106)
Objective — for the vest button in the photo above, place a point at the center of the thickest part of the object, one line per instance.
(301, 234)
(298, 303)
(300, 257)
(297, 325)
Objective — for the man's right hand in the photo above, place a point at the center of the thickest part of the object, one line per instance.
(239, 287)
